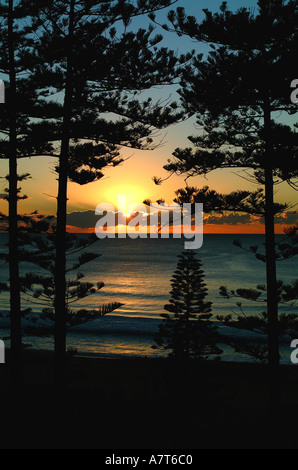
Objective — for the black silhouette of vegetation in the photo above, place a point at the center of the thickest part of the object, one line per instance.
(187, 331)
(19, 138)
(236, 93)
(37, 246)
(103, 79)
(39, 289)
(75, 73)
(53, 53)
(258, 323)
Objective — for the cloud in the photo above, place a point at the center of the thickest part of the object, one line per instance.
(230, 219)
(288, 218)
(87, 220)
(82, 220)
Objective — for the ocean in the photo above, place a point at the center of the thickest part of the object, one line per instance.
(137, 273)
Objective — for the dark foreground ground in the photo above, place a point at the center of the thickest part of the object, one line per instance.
(147, 404)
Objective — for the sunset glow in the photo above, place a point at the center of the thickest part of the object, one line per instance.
(148, 227)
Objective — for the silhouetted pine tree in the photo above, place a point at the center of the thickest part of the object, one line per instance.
(100, 72)
(15, 305)
(234, 92)
(187, 331)
(18, 139)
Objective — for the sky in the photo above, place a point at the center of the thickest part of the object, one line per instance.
(134, 177)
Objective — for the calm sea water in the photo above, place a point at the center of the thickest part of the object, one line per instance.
(137, 273)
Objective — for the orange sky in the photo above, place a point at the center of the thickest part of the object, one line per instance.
(254, 229)
(134, 180)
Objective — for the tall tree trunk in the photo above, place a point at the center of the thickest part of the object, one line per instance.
(274, 384)
(60, 263)
(272, 293)
(15, 301)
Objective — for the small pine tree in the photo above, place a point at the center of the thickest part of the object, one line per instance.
(187, 331)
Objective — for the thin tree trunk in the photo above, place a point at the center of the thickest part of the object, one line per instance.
(273, 324)
(15, 301)
(272, 302)
(60, 264)
(272, 293)
(274, 382)
(187, 320)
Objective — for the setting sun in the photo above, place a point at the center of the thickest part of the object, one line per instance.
(128, 194)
